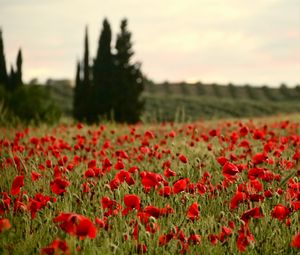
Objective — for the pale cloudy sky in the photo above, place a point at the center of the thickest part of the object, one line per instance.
(238, 41)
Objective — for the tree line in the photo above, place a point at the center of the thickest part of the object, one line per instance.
(18, 103)
(10, 81)
(109, 87)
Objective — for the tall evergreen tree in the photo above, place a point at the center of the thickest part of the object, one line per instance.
(103, 75)
(86, 59)
(82, 93)
(19, 69)
(77, 99)
(129, 105)
(12, 84)
(3, 72)
(86, 93)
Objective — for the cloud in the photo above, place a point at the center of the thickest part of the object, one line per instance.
(214, 40)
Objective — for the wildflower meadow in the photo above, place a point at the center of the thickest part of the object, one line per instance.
(217, 187)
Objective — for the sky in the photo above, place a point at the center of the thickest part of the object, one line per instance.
(253, 42)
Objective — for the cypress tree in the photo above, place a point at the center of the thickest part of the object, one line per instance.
(3, 72)
(81, 102)
(128, 105)
(19, 69)
(87, 93)
(86, 58)
(103, 75)
(12, 84)
(77, 100)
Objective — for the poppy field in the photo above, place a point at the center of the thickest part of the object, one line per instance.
(218, 187)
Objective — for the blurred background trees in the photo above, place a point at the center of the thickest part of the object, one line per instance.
(112, 90)
(18, 103)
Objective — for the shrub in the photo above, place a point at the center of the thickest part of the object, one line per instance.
(28, 104)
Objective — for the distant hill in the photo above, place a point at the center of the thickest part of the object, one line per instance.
(62, 94)
(223, 91)
(186, 101)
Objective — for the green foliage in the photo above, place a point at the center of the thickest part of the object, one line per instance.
(200, 89)
(250, 92)
(127, 105)
(28, 104)
(216, 90)
(62, 95)
(184, 89)
(160, 108)
(269, 93)
(232, 90)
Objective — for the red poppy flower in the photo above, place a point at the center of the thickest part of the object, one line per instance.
(76, 224)
(244, 131)
(48, 163)
(125, 176)
(193, 211)
(101, 223)
(258, 135)
(245, 238)
(165, 191)
(142, 248)
(169, 173)
(106, 165)
(201, 188)
(226, 231)
(149, 134)
(165, 239)
(194, 239)
(213, 132)
(296, 155)
(110, 206)
(86, 228)
(255, 186)
(222, 160)
(119, 165)
(56, 245)
(151, 180)
(4, 224)
(59, 185)
(252, 213)
(237, 199)
(213, 239)
(172, 134)
(4, 202)
(259, 158)
(89, 173)
(17, 184)
(296, 205)
(35, 176)
(229, 170)
(183, 159)
(152, 211)
(180, 185)
(280, 212)
(92, 163)
(37, 203)
(132, 202)
(296, 241)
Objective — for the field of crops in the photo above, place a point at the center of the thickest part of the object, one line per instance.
(190, 102)
(224, 187)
